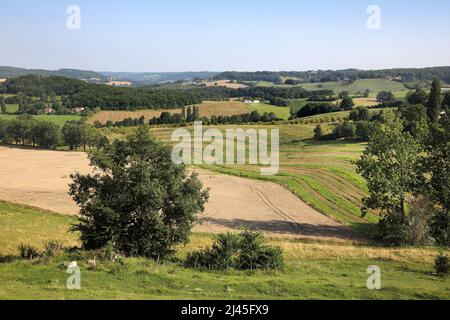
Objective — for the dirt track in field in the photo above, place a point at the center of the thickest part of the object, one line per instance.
(40, 179)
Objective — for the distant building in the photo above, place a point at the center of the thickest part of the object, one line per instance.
(48, 110)
(119, 83)
(252, 101)
(77, 110)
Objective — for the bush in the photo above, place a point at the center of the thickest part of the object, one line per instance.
(360, 114)
(440, 227)
(318, 132)
(51, 248)
(255, 254)
(244, 251)
(441, 264)
(344, 130)
(27, 251)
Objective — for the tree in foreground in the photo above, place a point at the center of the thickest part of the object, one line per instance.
(392, 166)
(137, 200)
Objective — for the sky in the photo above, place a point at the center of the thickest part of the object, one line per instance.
(219, 35)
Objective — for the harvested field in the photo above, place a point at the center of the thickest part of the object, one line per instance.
(40, 179)
(207, 109)
(223, 108)
(116, 116)
(224, 83)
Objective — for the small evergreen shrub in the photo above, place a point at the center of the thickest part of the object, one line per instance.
(441, 264)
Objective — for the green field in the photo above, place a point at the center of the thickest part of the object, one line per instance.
(374, 85)
(11, 108)
(280, 112)
(359, 86)
(56, 119)
(312, 270)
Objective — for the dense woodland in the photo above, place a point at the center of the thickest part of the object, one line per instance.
(405, 75)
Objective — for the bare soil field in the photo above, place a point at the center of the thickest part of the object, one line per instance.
(207, 109)
(223, 108)
(40, 179)
(116, 116)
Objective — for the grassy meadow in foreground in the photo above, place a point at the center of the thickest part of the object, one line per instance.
(312, 270)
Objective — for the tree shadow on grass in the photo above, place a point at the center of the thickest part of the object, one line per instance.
(7, 258)
(287, 228)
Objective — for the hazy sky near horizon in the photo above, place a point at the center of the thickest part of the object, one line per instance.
(214, 35)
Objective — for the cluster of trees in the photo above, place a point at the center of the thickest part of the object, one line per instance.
(78, 134)
(407, 167)
(312, 109)
(292, 82)
(177, 118)
(359, 130)
(26, 131)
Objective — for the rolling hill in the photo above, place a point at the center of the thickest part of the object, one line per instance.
(12, 72)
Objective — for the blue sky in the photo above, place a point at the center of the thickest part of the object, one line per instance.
(216, 35)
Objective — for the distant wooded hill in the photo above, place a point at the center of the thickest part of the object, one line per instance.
(403, 75)
(137, 78)
(12, 72)
(149, 78)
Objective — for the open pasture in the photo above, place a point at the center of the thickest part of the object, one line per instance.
(313, 270)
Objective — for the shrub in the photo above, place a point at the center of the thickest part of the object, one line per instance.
(344, 130)
(440, 227)
(441, 264)
(52, 247)
(318, 132)
(27, 251)
(359, 114)
(244, 251)
(255, 254)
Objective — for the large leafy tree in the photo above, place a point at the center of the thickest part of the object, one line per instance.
(434, 102)
(392, 166)
(419, 96)
(138, 199)
(438, 164)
